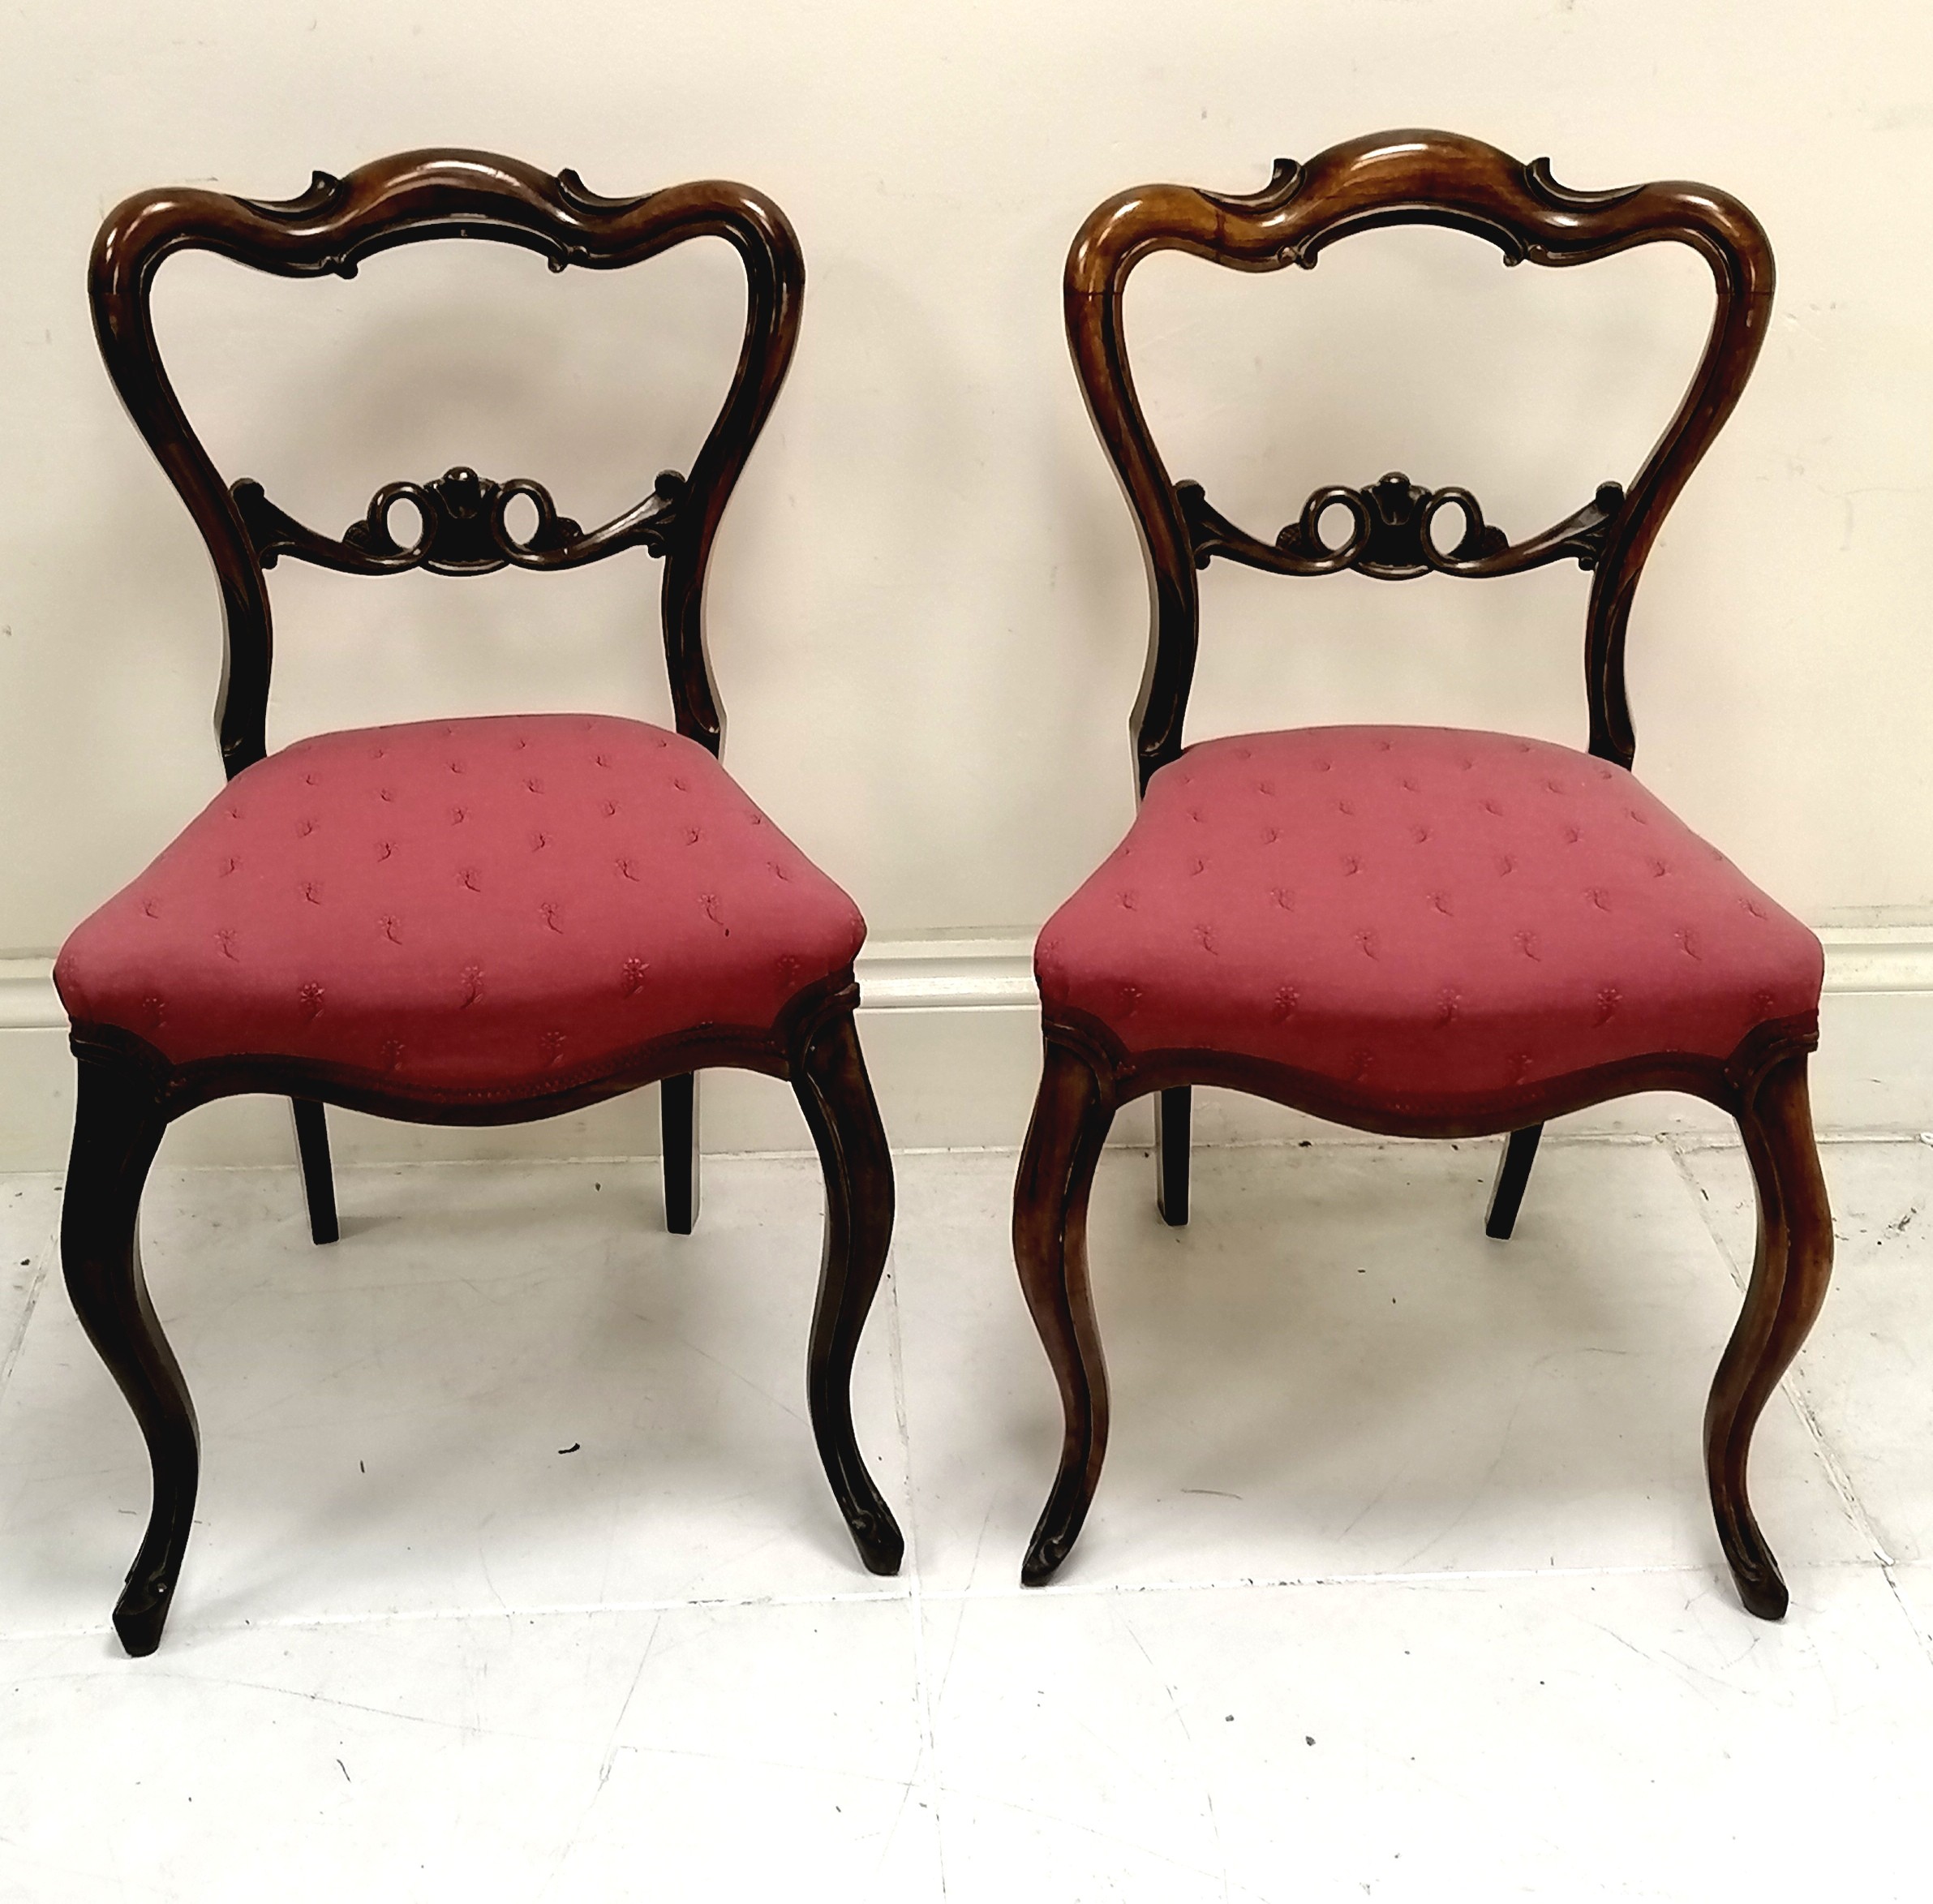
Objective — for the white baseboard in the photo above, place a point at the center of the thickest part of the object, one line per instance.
(951, 1035)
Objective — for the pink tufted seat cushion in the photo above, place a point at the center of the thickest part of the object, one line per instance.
(482, 908)
(1423, 917)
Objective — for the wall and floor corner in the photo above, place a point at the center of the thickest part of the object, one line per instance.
(927, 612)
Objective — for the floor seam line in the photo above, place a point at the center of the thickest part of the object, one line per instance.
(1890, 1574)
(926, 1769)
(43, 1266)
(1262, 1583)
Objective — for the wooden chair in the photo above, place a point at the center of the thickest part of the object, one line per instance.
(1418, 931)
(470, 922)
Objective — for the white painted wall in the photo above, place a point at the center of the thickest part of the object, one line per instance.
(927, 611)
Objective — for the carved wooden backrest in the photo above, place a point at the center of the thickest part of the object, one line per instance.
(464, 529)
(1409, 177)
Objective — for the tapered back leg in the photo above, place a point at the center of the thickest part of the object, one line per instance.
(318, 1178)
(1173, 1114)
(1513, 1176)
(1071, 1119)
(117, 1129)
(833, 1091)
(1791, 1267)
(678, 1112)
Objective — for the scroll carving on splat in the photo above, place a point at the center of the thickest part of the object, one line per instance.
(463, 528)
(1391, 533)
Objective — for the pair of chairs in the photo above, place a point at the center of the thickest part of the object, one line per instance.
(1421, 931)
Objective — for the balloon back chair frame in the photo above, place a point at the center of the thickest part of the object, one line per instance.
(1436, 178)
(128, 1091)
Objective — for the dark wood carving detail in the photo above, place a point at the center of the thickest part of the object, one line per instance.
(412, 197)
(462, 529)
(1390, 537)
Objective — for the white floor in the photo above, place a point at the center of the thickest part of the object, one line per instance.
(514, 1575)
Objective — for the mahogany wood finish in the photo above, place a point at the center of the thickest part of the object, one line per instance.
(129, 1091)
(1396, 179)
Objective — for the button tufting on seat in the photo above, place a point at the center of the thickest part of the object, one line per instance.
(1430, 984)
(381, 901)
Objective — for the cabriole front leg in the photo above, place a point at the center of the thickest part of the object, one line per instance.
(1071, 1120)
(829, 1076)
(1791, 1266)
(117, 1128)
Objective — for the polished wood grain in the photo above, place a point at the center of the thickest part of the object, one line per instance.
(1791, 1267)
(1392, 534)
(129, 1090)
(1071, 1116)
(1408, 178)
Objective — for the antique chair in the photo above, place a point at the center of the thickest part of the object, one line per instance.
(469, 922)
(1418, 931)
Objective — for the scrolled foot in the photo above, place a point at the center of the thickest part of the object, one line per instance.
(876, 1534)
(142, 1611)
(1760, 1584)
(1052, 1542)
